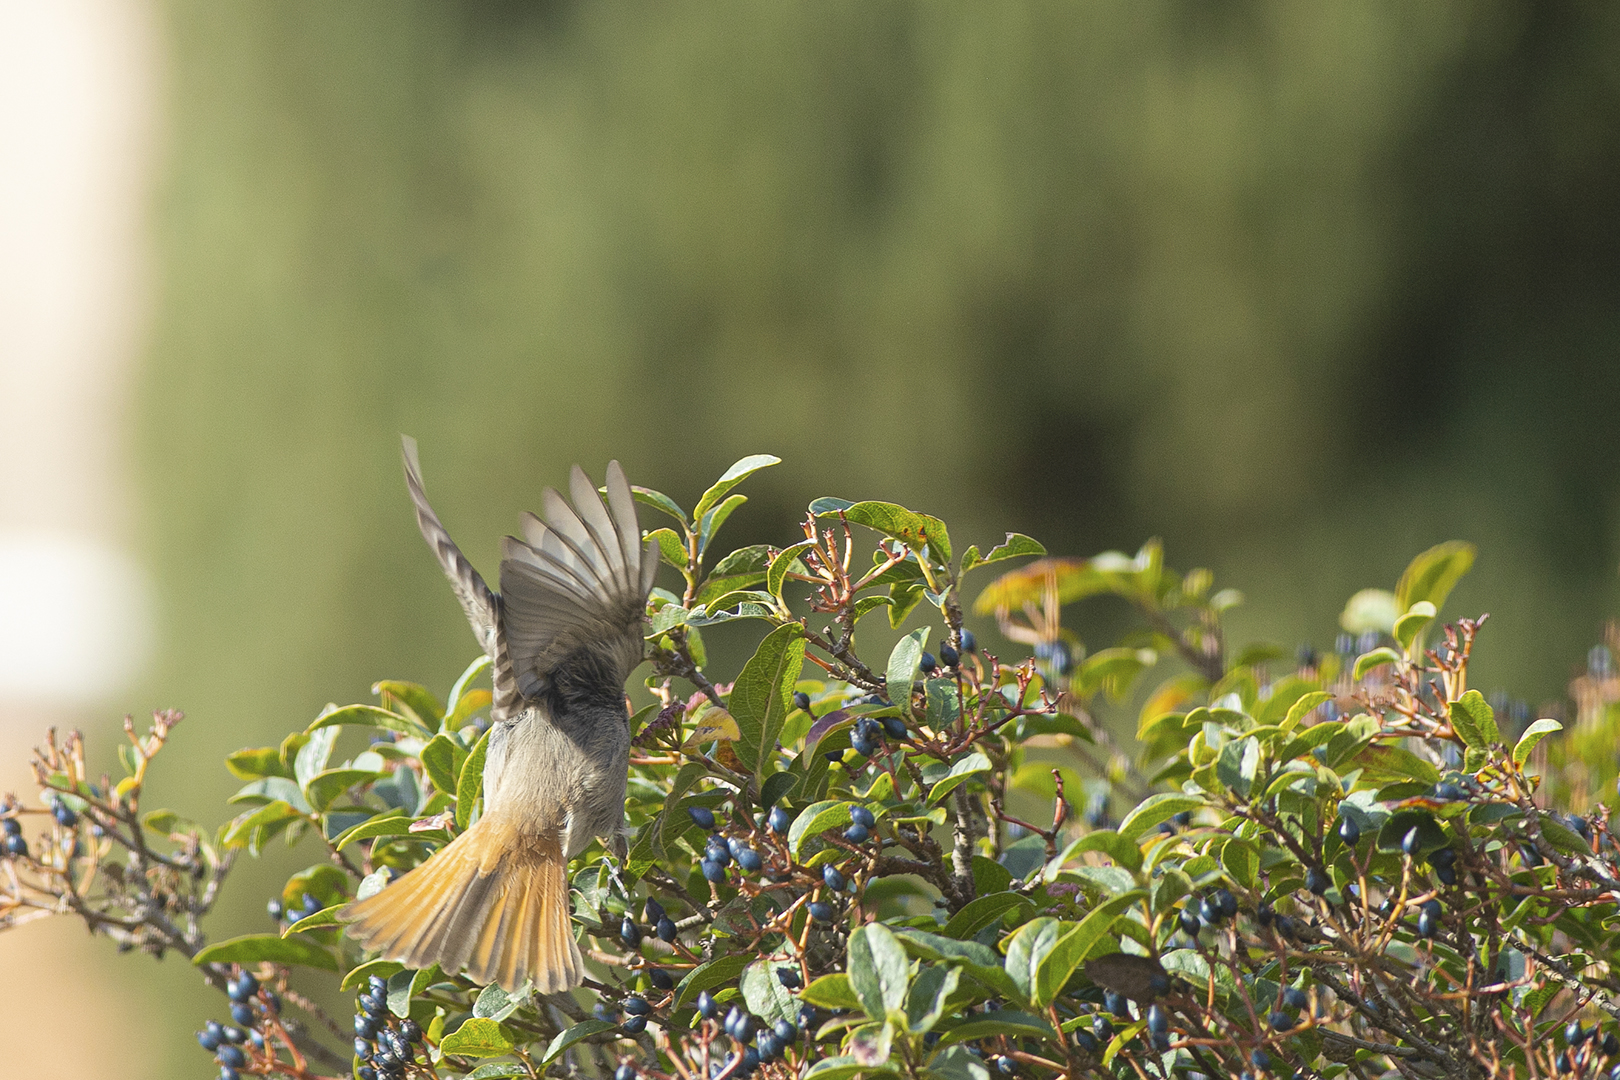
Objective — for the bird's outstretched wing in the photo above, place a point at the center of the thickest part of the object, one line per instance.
(481, 605)
(578, 580)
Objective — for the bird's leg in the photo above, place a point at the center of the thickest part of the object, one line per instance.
(618, 854)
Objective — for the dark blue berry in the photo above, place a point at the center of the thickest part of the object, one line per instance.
(626, 1071)
(857, 833)
(1006, 1066)
(779, 820)
(1210, 911)
(373, 1004)
(948, 656)
(1349, 832)
(1431, 907)
(862, 746)
(1295, 998)
(739, 1024)
(629, 932)
(365, 1072)
(234, 1035)
(969, 642)
(661, 979)
(362, 1048)
(665, 929)
(1316, 880)
(1116, 1004)
(713, 871)
(1086, 1041)
(1446, 874)
(750, 1060)
(749, 861)
(790, 978)
(365, 1027)
(1444, 857)
(836, 757)
(786, 1033)
(702, 815)
(834, 879)
(1260, 1060)
(1561, 1062)
(636, 1005)
(1227, 903)
(928, 663)
(706, 1006)
(11, 826)
(823, 913)
(242, 1013)
(274, 908)
(1190, 923)
(1410, 844)
(378, 986)
(1158, 1021)
(1280, 1020)
(16, 845)
(1575, 1034)
(232, 1056)
(769, 1046)
(867, 728)
(64, 815)
(385, 1060)
(860, 815)
(208, 1040)
(895, 727)
(1427, 925)
(1101, 1028)
(634, 1025)
(1611, 1044)
(801, 700)
(1264, 914)
(717, 853)
(653, 910)
(1448, 792)
(228, 1073)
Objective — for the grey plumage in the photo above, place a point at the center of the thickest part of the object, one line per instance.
(564, 633)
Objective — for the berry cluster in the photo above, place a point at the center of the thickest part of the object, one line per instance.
(281, 913)
(384, 1045)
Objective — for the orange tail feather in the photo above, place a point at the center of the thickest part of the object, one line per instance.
(494, 902)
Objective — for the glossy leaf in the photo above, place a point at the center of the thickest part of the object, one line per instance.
(878, 970)
(480, 1037)
(762, 696)
(571, 1035)
(1533, 735)
(1432, 575)
(915, 530)
(259, 948)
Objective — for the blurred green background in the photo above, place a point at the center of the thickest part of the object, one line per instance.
(1302, 288)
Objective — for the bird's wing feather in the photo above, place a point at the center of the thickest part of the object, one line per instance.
(578, 580)
(481, 605)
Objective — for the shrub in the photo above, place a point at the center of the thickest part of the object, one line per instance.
(844, 864)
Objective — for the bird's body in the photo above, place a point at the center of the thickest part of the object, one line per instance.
(563, 634)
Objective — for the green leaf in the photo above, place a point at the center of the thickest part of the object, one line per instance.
(1307, 704)
(903, 599)
(1375, 659)
(961, 771)
(459, 691)
(1054, 969)
(845, 1066)
(767, 998)
(442, 759)
(480, 1037)
(313, 755)
(912, 529)
(730, 479)
(904, 660)
(999, 1022)
(715, 518)
(981, 911)
(368, 716)
(257, 948)
(240, 831)
(1410, 625)
(505, 1070)
(782, 565)
(1432, 575)
(671, 548)
(394, 822)
(417, 700)
(1532, 735)
(1113, 670)
(1474, 720)
(324, 788)
(1238, 764)
(359, 974)
(168, 823)
(496, 1004)
(1119, 848)
(1371, 610)
(708, 975)
(325, 917)
(569, 1036)
(831, 992)
(953, 1062)
(1029, 945)
(1015, 545)
(1153, 811)
(878, 970)
(470, 784)
(658, 500)
(256, 763)
(763, 695)
(925, 1003)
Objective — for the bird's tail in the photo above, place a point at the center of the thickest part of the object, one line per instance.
(494, 902)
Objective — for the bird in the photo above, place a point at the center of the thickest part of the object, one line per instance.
(563, 635)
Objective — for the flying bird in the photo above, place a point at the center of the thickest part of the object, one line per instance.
(563, 635)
